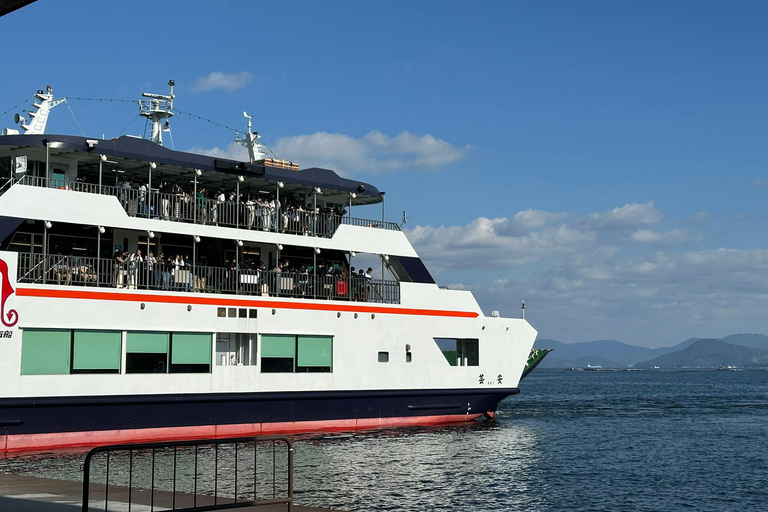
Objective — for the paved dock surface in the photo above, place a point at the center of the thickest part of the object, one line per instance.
(26, 493)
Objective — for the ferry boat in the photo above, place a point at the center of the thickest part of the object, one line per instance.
(152, 294)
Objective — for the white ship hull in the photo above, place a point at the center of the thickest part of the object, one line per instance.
(49, 411)
(89, 355)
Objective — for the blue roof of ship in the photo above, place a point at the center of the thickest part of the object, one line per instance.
(135, 148)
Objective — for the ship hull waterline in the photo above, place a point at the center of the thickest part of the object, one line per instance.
(46, 423)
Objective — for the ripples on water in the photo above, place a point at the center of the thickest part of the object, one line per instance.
(576, 441)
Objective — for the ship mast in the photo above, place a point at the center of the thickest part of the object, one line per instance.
(157, 110)
(251, 141)
(39, 117)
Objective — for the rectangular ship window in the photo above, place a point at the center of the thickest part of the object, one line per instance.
(278, 352)
(252, 313)
(232, 312)
(97, 351)
(289, 353)
(221, 312)
(459, 352)
(242, 313)
(146, 352)
(45, 351)
(234, 348)
(315, 354)
(191, 352)
(383, 357)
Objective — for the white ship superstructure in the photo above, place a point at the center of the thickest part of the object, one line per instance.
(251, 322)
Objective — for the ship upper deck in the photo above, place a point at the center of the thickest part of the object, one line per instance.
(156, 182)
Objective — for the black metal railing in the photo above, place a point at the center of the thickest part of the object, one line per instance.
(367, 223)
(182, 207)
(188, 476)
(126, 274)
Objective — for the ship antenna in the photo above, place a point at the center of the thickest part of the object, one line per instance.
(38, 118)
(157, 110)
(251, 141)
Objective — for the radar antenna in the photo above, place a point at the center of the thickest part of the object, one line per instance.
(158, 109)
(251, 141)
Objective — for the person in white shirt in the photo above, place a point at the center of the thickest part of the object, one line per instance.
(133, 267)
(151, 262)
(143, 210)
(220, 200)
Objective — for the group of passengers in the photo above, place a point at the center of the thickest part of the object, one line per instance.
(133, 270)
(175, 272)
(326, 281)
(173, 202)
(69, 269)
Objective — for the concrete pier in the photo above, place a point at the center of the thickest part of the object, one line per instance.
(31, 494)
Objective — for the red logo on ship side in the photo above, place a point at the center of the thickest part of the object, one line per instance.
(12, 315)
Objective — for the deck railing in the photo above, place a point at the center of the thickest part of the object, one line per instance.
(189, 476)
(100, 272)
(202, 210)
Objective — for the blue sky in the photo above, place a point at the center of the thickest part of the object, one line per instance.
(603, 160)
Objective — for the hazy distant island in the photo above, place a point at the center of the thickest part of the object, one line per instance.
(739, 350)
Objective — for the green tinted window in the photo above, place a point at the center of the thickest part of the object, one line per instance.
(97, 350)
(146, 343)
(315, 351)
(278, 345)
(45, 351)
(191, 348)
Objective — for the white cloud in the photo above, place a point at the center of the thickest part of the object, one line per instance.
(648, 236)
(536, 235)
(626, 274)
(650, 299)
(375, 152)
(226, 81)
(233, 152)
(624, 216)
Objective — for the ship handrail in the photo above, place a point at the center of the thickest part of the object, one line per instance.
(241, 215)
(44, 273)
(68, 270)
(8, 183)
(160, 451)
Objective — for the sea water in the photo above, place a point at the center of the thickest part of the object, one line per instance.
(575, 441)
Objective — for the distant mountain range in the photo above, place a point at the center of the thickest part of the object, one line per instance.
(736, 349)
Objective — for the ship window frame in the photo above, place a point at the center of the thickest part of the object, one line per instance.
(463, 352)
(46, 351)
(314, 354)
(278, 359)
(148, 355)
(96, 351)
(296, 353)
(197, 355)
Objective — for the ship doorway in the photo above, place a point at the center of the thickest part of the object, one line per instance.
(59, 175)
(459, 352)
(235, 349)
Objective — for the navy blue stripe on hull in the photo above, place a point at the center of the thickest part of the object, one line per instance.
(88, 413)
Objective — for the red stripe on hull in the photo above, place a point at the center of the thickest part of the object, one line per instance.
(219, 301)
(49, 441)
